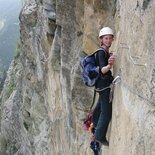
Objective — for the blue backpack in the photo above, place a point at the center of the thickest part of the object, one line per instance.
(90, 71)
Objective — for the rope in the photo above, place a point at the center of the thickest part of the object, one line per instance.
(133, 91)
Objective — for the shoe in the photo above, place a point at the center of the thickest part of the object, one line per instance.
(102, 142)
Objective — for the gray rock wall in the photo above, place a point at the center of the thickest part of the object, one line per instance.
(44, 98)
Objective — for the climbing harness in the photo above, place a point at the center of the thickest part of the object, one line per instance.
(116, 80)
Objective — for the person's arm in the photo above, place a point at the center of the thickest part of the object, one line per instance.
(102, 62)
(105, 69)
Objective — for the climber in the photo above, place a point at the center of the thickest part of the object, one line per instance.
(103, 110)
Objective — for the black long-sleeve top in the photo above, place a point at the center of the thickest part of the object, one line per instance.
(102, 61)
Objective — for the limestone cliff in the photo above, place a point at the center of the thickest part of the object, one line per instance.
(44, 98)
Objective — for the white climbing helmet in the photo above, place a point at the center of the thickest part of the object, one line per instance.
(106, 31)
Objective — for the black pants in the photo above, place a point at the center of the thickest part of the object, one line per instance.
(102, 115)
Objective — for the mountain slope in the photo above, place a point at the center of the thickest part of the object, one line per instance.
(44, 99)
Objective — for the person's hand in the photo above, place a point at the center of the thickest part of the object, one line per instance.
(111, 60)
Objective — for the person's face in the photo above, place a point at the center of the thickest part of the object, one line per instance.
(107, 40)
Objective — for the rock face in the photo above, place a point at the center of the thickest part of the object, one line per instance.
(44, 98)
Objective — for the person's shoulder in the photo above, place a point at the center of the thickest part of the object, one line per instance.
(101, 51)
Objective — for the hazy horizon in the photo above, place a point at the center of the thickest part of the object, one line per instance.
(9, 30)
